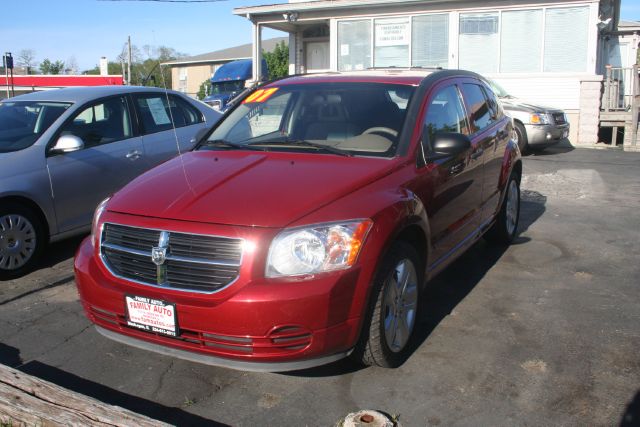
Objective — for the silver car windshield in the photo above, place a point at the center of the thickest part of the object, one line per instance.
(355, 119)
(22, 122)
(499, 90)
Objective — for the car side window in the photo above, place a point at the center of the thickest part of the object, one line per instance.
(445, 113)
(496, 112)
(101, 123)
(480, 114)
(157, 114)
(190, 113)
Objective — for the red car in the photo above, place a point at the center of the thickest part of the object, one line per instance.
(304, 225)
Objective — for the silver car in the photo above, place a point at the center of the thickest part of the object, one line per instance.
(63, 151)
(535, 127)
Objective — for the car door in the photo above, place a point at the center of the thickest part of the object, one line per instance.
(449, 186)
(111, 157)
(490, 133)
(167, 122)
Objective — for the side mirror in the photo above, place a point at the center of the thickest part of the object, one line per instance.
(449, 144)
(67, 144)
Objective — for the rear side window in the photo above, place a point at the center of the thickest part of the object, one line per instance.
(158, 114)
(480, 114)
(493, 103)
(445, 113)
(101, 123)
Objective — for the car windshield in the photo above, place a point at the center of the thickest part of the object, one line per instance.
(226, 87)
(360, 119)
(22, 122)
(499, 90)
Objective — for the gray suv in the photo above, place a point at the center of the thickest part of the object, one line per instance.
(535, 127)
(63, 151)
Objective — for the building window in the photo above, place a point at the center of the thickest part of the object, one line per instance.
(521, 51)
(430, 41)
(479, 42)
(183, 73)
(354, 45)
(392, 42)
(566, 39)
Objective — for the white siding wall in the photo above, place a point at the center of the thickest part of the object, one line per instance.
(552, 91)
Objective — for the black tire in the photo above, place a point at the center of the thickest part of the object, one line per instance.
(504, 230)
(39, 240)
(521, 134)
(372, 348)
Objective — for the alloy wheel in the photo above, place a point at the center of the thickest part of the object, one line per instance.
(400, 305)
(17, 241)
(511, 211)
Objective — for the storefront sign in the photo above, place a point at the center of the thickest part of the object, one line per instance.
(392, 32)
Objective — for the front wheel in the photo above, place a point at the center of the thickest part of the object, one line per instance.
(388, 331)
(505, 228)
(520, 137)
(21, 240)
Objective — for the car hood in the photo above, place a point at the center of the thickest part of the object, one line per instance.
(245, 188)
(515, 104)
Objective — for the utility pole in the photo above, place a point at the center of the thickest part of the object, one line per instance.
(129, 63)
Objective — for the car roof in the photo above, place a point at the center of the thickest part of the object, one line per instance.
(411, 77)
(83, 94)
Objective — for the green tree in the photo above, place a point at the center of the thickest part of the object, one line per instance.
(48, 67)
(205, 89)
(145, 67)
(278, 61)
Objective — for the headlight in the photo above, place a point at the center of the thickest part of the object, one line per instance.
(96, 220)
(539, 119)
(316, 248)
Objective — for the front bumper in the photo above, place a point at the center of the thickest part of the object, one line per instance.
(254, 324)
(545, 135)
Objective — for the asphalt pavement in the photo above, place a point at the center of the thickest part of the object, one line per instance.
(545, 332)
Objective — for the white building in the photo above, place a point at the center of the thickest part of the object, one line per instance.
(547, 52)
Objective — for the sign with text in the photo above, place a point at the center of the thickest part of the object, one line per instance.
(151, 315)
(392, 32)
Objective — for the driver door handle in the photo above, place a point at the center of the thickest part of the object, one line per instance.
(133, 155)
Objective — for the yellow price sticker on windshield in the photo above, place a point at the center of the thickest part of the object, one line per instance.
(260, 95)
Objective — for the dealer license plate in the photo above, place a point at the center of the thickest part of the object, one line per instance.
(151, 315)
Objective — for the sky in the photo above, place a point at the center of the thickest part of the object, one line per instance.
(89, 29)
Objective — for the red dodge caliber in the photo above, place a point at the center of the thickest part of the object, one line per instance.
(304, 226)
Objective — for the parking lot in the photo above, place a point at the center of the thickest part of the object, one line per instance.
(544, 332)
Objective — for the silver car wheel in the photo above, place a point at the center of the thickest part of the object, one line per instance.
(17, 241)
(511, 211)
(400, 304)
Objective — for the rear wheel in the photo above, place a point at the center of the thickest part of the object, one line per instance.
(21, 240)
(505, 228)
(391, 322)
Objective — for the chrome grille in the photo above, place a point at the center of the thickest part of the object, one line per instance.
(192, 262)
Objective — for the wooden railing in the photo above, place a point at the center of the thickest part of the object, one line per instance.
(620, 88)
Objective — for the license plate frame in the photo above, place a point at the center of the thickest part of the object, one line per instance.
(151, 315)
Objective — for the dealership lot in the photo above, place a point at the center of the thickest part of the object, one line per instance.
(544, 332)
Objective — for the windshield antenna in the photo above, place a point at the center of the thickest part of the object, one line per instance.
(173, 123)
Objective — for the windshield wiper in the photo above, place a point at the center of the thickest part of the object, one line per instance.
(228, 144)
(305, 143)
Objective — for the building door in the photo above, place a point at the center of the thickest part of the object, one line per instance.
(316, 56)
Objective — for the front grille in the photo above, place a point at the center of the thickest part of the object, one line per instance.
(191, 262)
(558, 118)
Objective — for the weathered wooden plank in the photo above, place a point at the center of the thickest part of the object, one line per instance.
(31, 401)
